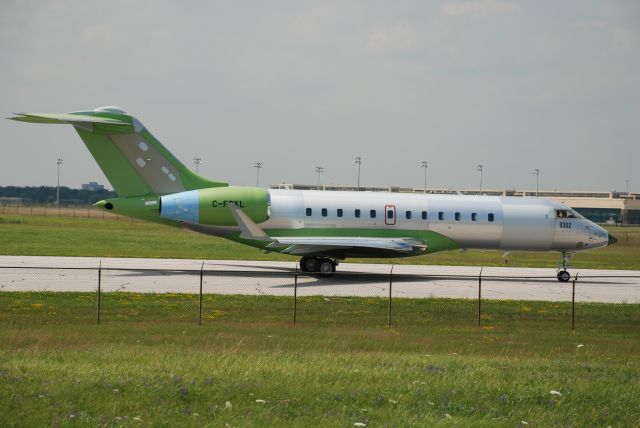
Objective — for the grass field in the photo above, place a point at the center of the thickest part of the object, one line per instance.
(150, 364)
(64, 236)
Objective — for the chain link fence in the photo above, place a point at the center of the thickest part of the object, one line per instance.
(218, 294)
(64, 211)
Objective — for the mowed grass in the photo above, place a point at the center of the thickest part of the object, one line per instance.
(63, 236)
(150, 364)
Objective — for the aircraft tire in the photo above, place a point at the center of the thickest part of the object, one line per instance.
(326, 266)
(309, 264)
(564, 276)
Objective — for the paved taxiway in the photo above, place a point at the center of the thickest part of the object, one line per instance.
(19, 273)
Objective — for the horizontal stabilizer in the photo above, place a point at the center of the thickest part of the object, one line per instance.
(66, 118)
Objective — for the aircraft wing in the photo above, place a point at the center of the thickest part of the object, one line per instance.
(66, 118)
(323, 245)
(320, 245)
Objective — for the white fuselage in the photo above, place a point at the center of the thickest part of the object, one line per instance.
(474, 222)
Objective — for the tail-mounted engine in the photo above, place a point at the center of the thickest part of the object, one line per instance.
(211, 206)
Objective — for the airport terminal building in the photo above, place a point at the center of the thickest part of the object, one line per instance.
(600, 207)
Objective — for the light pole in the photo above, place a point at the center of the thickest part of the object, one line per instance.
(424, 165)
(197, 162)
(358, 160)
(60, 161)
(627, 183)
(536, 172)
(257, 166)
(480, 168)
(319, 170)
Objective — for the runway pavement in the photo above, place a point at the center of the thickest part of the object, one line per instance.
(19, 273)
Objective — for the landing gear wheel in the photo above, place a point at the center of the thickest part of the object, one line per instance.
(321, 265)
(564, 276)
(309, 264)
(326, 266)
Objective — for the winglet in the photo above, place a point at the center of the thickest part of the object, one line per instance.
(248, 229)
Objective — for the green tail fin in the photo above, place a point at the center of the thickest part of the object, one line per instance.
(134, 162)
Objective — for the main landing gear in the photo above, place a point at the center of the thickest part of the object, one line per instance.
(321, 265)
(563, 275)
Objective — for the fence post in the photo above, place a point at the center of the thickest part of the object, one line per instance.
(480, 296)
(295, 294)
(200, 304)
(99, 291)
(573, 303)
(390, 294)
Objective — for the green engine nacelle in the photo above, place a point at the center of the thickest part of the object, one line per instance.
(212, 206)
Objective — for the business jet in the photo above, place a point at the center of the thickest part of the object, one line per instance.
(322, 227)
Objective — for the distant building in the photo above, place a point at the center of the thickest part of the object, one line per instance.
(600, 207)
(92, 186)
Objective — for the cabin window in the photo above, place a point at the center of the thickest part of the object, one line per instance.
(357, 213)
(458, 216)
(491, 217)
(324, 212)
(309, 212)
(407, 215)
(339, 212)
(441, 215)
(424, 215)
(474, 216)
(372, 213)
(389, 214)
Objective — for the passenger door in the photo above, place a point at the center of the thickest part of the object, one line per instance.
(389, 215)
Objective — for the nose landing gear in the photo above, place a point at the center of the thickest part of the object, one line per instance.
(563, 274)
(322, 265)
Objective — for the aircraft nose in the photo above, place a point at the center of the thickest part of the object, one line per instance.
(612, 239)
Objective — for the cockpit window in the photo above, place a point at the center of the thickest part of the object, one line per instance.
(566, 214)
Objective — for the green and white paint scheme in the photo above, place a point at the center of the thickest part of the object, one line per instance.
(321, 226)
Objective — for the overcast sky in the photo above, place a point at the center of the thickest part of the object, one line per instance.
(510, 85)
